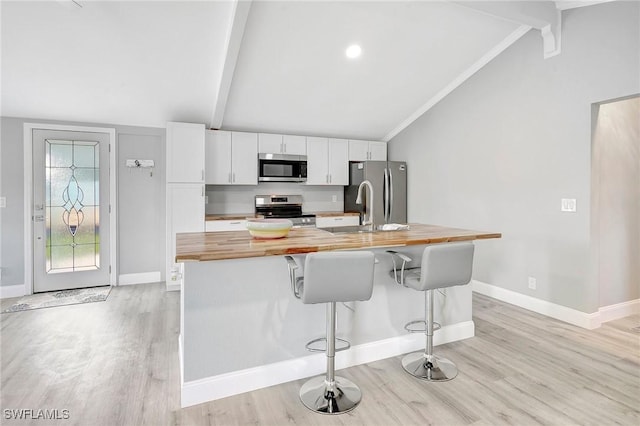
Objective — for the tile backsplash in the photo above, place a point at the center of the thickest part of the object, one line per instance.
(232, 199)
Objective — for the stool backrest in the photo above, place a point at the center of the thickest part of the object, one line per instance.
(338, 276)
(446, 265)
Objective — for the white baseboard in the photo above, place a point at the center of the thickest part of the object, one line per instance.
(559, 312)
(139, 278)
(173, 286)
(236, 382)
(9, 291)
(619, 310)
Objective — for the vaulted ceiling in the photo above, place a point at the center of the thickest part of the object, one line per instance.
(272, 66)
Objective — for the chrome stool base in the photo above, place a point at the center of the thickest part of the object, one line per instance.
(316, 396)
(437, 370)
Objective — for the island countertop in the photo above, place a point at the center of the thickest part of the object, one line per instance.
(205, 246)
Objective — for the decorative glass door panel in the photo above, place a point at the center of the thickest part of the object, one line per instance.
(71, 195)
(72, 173)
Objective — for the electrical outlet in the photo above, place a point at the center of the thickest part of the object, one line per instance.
(3, 202)
(334, 198)
(568, 205)
(206, 199)
(532, 283)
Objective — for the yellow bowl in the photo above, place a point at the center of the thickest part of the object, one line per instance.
(269, 228)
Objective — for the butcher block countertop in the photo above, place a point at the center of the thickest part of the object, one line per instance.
(205, 246)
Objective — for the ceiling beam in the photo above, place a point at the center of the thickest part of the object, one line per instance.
(475, 67)
(239, 15)
(544, 16)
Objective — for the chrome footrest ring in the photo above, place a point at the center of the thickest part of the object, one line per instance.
(410, 329)
(346, 345)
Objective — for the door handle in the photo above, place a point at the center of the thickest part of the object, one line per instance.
(38, 218)
(386, 195)
(390, 194)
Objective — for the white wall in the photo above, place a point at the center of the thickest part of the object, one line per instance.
(141, 200)
(500, 152)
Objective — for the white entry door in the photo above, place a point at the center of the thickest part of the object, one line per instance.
(70, 210)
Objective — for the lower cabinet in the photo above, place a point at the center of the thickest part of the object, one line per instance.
(225, 225)
(335, 221)
(185, 213)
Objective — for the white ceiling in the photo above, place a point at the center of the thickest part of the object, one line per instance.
(145, 63)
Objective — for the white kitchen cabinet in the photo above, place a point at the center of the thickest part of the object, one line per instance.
(185, 213)
(185, 152)
(231, 158)
(225, 225)
(367, 150)
(327, 161)
(269, 143)
(282, 144)
(336, 221)
(378, 151)
(294, 145)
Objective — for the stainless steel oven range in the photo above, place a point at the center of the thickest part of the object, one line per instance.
(284, 206)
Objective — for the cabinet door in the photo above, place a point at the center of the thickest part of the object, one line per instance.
(226, 225)
(185, 152)
(317, 161)
(294, 145)
(358, 150)
(378, 151)
(269, 144)
(218, 154)
(338, 162)
(336, 221)
(244, 158)
(185, 213)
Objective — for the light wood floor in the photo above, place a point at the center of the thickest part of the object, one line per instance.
(115, 363)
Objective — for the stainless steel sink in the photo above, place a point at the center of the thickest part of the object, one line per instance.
(361, 229)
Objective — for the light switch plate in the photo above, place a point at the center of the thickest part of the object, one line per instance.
(568, 205)
(3, 202)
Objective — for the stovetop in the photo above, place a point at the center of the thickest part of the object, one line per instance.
(284, 206)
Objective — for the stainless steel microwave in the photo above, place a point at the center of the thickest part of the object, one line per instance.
(282, 168)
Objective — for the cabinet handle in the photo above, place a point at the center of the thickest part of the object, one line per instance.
(234, 223)
(202, 174)
(285, 147)
(203, 191)
(229, 178)
(234, 177)
(330, 177)
(337, 218)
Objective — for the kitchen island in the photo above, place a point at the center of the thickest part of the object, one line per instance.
(242, 329)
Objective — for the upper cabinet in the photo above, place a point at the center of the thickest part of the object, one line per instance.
(282, 144)
(231, 158)
(367, 150)
(185, 152)
(327, 161)
(294, 145)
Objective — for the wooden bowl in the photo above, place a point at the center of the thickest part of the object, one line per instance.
(269, 228)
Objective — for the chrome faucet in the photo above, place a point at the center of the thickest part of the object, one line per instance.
(369, 204)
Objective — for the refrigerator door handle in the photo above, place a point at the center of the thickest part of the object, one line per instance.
(386, 195)
(390, 194)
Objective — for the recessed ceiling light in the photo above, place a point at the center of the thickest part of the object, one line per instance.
(353, 51)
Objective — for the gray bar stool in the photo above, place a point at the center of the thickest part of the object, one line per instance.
(442, 265)
(330, 277)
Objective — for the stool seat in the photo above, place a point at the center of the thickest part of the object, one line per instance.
(331, 277)
(442, 265)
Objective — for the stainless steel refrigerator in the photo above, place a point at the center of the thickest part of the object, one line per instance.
(389, 181)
